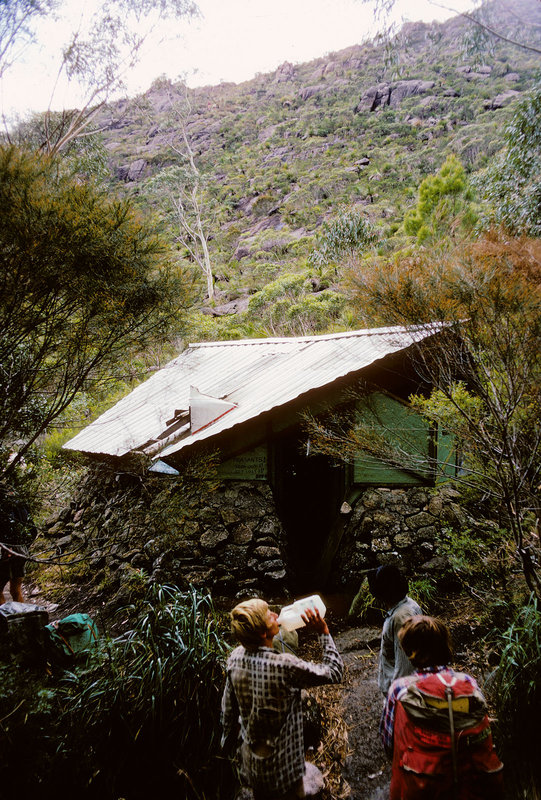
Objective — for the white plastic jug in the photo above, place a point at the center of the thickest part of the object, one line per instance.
(290, 616)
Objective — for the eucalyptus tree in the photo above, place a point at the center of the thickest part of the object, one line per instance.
(97, 55)
(17, 27)
(512, 182)
(178, 190)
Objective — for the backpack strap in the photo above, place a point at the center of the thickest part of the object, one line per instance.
(449, 696)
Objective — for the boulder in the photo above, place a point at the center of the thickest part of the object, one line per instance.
(129, 173)
(285, 72)
(391, 94)
(404, 89)
(501, 100)
(310, 91)
(374, 97)
(233, 307)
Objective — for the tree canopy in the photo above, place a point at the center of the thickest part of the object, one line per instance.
(83, 280)
(97, 55)
(512, 183)
(485, 367)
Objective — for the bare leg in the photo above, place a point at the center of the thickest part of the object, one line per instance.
(16, 589)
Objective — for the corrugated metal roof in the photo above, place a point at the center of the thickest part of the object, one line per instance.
(256, 375)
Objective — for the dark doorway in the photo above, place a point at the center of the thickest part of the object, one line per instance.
(309, 490)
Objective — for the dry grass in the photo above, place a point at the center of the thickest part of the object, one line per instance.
(331, 753)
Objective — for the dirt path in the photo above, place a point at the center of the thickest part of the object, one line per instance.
(367, 770)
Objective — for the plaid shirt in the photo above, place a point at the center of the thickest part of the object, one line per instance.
(263, 696)
(386, 725)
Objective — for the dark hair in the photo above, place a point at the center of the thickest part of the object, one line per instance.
(388, 583)
(426, 641)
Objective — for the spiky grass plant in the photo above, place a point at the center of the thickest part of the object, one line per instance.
(518, 700)
(144, 718)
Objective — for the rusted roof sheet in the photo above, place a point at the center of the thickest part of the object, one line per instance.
(255, 375)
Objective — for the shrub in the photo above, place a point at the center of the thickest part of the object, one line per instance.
(518, 700)
(148, 711)
(347, 234)
(362, 605)
(476, 556)
(140, 721)
(424, 592)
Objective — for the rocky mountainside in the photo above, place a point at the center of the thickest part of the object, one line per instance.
(284, 152)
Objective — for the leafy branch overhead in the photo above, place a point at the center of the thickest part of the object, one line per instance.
(101, 49)
(83, 281)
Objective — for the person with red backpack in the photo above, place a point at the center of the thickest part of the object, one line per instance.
(435, 724)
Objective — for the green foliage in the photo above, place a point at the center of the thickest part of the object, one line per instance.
(29, 709)
(141, 720)
(438, 203)
(424, 591)
(288, 306)
(17, 28)
(83, 283)
(154, 697)
(476, 556)
(347, 234)
(456, 409)
(85, 157)
(362, 604)
(512, 184)
(518, 698)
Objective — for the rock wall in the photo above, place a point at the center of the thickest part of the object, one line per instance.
(394, 526)
(226, 537)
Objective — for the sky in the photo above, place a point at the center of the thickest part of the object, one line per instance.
(232, 40)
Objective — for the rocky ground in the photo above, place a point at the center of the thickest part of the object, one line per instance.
(367, 769)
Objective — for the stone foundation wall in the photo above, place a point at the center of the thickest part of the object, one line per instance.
(394, 526)
(228, 538)
(235, 543)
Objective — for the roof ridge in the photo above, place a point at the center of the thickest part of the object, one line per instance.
(319, 337)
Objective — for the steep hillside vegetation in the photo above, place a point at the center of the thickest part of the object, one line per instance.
(281, 154)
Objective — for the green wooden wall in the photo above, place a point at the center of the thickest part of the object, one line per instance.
(406, 435)
(392, 422)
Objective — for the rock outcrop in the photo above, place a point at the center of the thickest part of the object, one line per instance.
(501, 100)
(391, 94)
